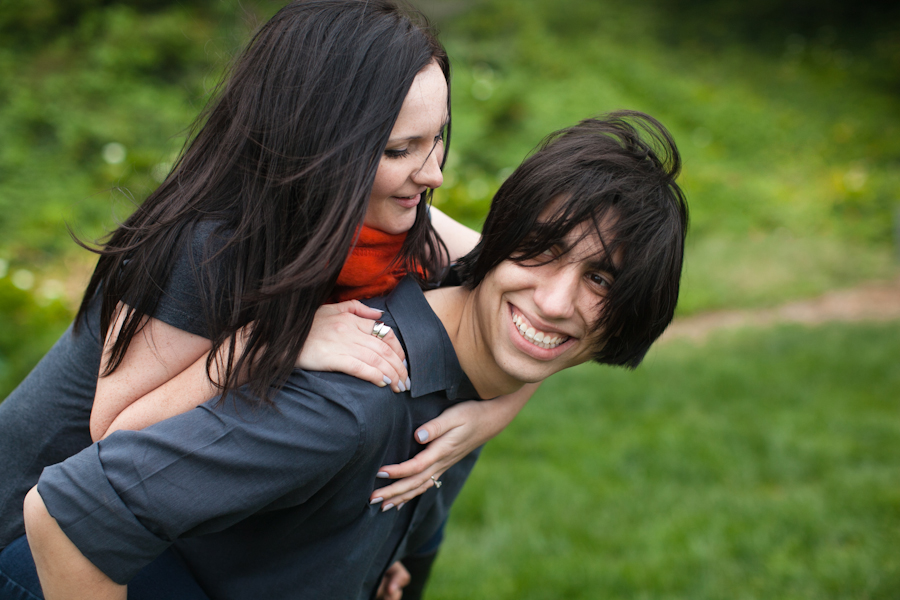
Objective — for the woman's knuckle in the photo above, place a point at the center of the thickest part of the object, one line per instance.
(341, 328)
(356, 369)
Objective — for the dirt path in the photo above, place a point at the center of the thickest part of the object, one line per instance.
(873, 302)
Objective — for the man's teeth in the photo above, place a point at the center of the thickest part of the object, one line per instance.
(538, 338)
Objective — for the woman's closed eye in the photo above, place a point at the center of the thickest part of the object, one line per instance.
(396, 152)
(405, 151)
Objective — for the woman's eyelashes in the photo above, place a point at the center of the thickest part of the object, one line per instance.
(404, 152)
(396, 153)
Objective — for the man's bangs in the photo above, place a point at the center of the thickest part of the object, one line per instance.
(568, 212)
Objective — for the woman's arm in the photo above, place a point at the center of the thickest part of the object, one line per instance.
(451, 436)
(156, 354)
(153, 384)
(164, 373)
(459, 429)
(458, 238)
(62, 568)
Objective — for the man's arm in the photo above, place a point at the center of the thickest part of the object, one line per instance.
(62, 568)
(199, 472)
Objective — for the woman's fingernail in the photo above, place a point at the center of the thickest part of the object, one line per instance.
(422, 435)
(408, 384)
(375, 500)
(401, 386)
(386, 379)
(378, 309)
(387, 507)
(383, 475)
(405, 364)
(399, 506)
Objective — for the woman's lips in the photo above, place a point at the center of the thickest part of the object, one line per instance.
(408, 201)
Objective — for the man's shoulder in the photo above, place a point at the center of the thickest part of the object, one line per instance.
(357, 403)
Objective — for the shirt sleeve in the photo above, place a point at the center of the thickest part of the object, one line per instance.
(184, 302)
(125, 499)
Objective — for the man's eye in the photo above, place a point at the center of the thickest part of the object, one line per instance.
(601, 280)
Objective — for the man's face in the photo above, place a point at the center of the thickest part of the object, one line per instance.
(536, 317)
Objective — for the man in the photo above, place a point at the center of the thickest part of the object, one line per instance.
(580, 259)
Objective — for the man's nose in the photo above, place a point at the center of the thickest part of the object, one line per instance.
(430, 173)
(555, 295)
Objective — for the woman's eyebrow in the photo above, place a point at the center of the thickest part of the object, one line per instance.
(416, 137)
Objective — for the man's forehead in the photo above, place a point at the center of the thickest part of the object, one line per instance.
(590, 242)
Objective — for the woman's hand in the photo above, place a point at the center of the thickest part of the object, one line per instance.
(395, 579)
(450, 436)
(341, 340)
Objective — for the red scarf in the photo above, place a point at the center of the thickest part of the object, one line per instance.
(366, 273)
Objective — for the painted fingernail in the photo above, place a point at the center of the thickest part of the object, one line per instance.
(386, 379)
(375, 500)
(401, 386)
(408, 384)
(383, 475)
(422, 435)
(405, 364)
(378, 309)
(387, 507)
(401, 505)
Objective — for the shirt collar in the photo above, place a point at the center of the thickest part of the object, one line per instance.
(433, 364)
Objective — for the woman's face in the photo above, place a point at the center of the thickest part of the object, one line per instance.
(411, 162)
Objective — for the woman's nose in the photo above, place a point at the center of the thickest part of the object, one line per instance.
(430, 173)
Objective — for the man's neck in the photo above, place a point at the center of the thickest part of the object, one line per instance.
(454, 307)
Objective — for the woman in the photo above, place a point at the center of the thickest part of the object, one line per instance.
(228, 262)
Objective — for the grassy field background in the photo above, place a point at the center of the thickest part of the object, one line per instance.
(764, 464)
(761, 464)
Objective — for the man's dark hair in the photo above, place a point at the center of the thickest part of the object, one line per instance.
(284, 159)
(616, 173)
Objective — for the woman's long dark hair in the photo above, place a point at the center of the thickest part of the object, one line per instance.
(283, 161)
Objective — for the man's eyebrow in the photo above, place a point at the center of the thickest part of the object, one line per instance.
(602, 263)
(599, 261)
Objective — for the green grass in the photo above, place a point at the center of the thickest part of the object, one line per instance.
(766, 269)
(762, 465)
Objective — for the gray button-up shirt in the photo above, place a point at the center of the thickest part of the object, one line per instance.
(272, 502)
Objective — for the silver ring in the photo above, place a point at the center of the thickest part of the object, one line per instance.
(380, 330)
(437, 482)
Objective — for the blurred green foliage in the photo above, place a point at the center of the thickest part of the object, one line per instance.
(29, 329)
(95, 97)
(786, 115)
(789, 144)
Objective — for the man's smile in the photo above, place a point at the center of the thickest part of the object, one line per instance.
(539, 338)
(542, 343)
